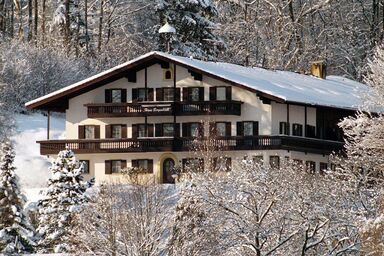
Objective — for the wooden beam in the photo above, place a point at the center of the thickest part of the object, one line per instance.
(48, 123)
(305, 121)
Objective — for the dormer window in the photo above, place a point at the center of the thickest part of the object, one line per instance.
(167, 74)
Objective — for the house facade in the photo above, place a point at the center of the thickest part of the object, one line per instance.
(148, 112)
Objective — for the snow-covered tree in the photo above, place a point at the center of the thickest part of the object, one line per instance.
(16, 234)
(256, 210)
(126, 220)
(62, 199)
(195, 24)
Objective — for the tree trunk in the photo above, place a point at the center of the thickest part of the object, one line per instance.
(36, 16)
(100, 25)
(43, 23)
(86, 24)
(29, 38)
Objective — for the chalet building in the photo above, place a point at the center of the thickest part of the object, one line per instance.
(146, 112)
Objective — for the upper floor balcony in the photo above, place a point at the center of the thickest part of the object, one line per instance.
(226, 143)
(139, 109)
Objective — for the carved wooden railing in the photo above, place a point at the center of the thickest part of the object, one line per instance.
(97, 110)
(187, 144)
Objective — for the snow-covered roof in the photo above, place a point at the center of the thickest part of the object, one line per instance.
(167, 29)
(334, 91)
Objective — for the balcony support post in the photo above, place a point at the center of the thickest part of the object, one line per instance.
(48, 123)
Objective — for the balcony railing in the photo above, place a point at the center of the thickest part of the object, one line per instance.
(187, 144)
(163, 109)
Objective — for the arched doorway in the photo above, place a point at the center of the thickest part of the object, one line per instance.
(168, 165)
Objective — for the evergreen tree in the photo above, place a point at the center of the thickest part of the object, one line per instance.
(194, 23)
(15, 231)
(63, 198)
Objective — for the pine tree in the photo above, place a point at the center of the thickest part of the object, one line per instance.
(15, 231)
(63, 198)
(194, 23)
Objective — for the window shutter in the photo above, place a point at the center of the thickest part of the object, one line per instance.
(177, 130)
(228, 130)
(228, 93)
(108, 167)
(185, 130)
(228, 164)
(150, 94)
(123, 95)
(123, 131)
(108, 96)
(159, 94)
(108, 131)
(150, 128)
(158, 130)
(255, 128)
(184, 162)
(134, 94)
(134, 131)
(214, 164)
(150, 165)
(240, 129)
(135, 163)
(123, 164)
(177, 98)
(201, 93)
(212, 129)
(97, 131)
(81, 132)
(212, 93)
(201, 129)
(185, 94)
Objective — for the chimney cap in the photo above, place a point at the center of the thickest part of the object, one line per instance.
(319, 69)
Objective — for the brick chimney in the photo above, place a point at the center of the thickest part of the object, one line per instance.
(319, 69)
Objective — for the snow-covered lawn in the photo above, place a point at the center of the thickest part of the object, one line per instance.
(32, 168)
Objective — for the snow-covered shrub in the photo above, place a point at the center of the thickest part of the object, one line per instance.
(62, 199)
(16, 234)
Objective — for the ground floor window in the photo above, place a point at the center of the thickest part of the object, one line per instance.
(311, 166)
(114, 166)
(85, 166)
(223, 164)
(258, 159)
(143, 164)
(274, 161)
(193, 164)
(323, 166)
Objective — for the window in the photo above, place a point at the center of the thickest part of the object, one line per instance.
(141, 94)
(116, 166)
(168, 94)
(298, 162)
(311, 131)
(311, 166)
(248, 128)
(223, 164)
(85, 164)
(258, 159)
(116, 131)
(143, 164)
(284, 128)
(168, 130)
(167, 74)
(142, 130)
(297, 130)
(274, 161)
(221, 129)
(195, 129)
(193, 164)
(89, 132)
(116, 96)
(221, 93)
(323, 166)
(194, 94)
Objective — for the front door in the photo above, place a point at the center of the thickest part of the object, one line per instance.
(168, 165)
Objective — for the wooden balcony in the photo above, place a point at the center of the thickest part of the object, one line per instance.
(164, 109)
(186, 144)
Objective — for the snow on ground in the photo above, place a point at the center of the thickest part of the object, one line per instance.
(32, 168)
